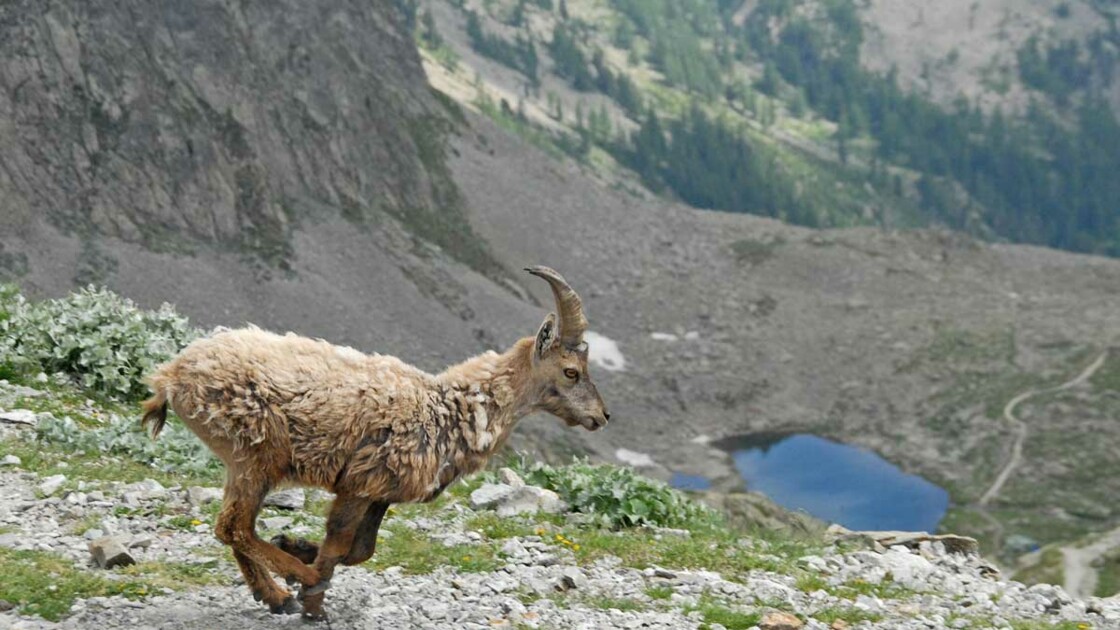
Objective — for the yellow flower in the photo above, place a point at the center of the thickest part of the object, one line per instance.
(466, 558)
(575, 547)
(196, 522)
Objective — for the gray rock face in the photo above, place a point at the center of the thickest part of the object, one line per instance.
(224, 129)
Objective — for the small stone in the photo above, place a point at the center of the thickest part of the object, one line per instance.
(778, 620)
(140, 542)
(199, 496)
(571, 578)
(839, 624)
(290, 499)
(510, 478)
(19, 416)
(10, 460)
(529, 500)
(6, 605)
(51, 484)
(93, 534)
(111, 551)
(147, 489)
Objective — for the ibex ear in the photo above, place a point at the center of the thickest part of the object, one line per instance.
(546, 338)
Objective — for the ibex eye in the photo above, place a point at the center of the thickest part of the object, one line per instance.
(572, 374)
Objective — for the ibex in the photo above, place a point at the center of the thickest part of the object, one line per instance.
(288, 410)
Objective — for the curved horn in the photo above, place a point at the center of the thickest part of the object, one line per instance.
(568, 305)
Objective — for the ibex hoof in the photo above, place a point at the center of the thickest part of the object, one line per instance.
(314, 589)
(317, 616)
(288, 607)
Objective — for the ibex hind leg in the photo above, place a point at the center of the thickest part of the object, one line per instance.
(235, 526)
(347, 514)
(365, 540)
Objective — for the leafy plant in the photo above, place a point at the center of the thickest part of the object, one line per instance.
(177, 450)
(618, 497)
(99, 338)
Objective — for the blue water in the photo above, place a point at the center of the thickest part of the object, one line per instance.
(838, 483)
(684, 481)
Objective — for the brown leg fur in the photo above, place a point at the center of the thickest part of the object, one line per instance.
(365, 540)
(235, 527)
(347, 513)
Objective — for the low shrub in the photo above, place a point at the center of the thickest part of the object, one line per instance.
(618, 497)
(100, 339)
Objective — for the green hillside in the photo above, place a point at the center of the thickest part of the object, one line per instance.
(768, 108)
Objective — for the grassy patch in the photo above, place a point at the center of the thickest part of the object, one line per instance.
(47, 460)
(1048, 569)
(850, 615)
(714, 611)
(1108, 578)
(46, 585)
(886, 589)
(659, 592)
(416, 553)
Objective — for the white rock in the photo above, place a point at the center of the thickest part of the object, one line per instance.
(634, 458)
(529, 500)
(10, 460)
(488, 495)
(19, 416)
(510, 478)
(51, 484)
(199, 496)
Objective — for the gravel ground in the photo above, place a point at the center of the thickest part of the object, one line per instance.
(540, 586)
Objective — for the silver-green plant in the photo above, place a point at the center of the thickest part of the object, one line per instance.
(100, 339)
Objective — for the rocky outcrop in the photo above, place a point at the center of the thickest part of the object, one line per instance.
(167, 124)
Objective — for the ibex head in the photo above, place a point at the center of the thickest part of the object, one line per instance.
(559, 371)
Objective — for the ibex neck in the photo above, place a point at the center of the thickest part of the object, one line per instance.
(495, 384)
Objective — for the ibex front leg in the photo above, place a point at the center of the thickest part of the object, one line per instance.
(343, 523)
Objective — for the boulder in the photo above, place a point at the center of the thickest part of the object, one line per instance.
(111, 551)
(530, 500)
(488, 495)
(10, 460)
(913, 540)
(19, 416)
(289, 499)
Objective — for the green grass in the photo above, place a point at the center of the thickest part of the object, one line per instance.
(715, 611)
(659, 592)
(45, 460)
(850, 615)
(1048, 570)
(886, 589)
(1108, 579)
(47, 585)
(417, 554)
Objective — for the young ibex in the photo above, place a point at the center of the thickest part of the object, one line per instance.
(288, 410)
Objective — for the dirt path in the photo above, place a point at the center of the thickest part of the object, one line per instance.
(1077, 564)
(1021, 427)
